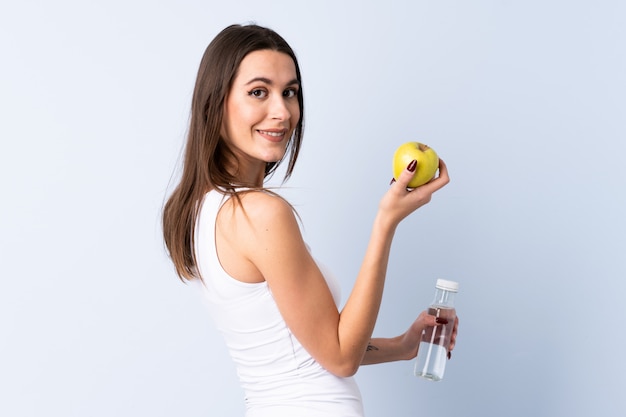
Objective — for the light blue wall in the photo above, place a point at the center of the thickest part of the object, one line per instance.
(525, 101)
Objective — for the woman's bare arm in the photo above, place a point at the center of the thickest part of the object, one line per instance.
(271, 241)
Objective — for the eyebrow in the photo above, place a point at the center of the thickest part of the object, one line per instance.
(269, 82)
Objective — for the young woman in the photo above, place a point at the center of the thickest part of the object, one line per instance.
(294, 350)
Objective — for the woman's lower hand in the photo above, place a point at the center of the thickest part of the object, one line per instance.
(410, 340)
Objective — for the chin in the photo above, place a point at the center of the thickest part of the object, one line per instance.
(275, 158)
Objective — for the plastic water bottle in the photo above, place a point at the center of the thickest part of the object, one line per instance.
(432, 354)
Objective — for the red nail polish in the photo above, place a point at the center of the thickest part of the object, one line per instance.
(412, 166)
(449, 354)
(392, 181)
(441, 320)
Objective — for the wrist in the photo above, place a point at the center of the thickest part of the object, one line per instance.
(407, 348)
(385, 224)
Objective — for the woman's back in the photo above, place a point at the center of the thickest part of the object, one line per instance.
(277, 374)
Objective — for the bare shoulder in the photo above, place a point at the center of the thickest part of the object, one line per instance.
(260, 215)
(262, 207)
(250, 228)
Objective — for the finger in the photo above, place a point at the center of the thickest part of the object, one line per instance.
(406, 175)
(438, 182)
(426, 320)
(454, 333)
(443, 174)
(443, 170)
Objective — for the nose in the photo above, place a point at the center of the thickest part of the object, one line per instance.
(279, 108)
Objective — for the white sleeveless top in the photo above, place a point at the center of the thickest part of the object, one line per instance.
(279, 377)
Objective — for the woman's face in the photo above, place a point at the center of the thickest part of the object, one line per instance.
(261, 110)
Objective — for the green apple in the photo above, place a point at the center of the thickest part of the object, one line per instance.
(427, 162)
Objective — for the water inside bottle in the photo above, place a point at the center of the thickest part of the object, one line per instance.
(433, 349)
(433, 363)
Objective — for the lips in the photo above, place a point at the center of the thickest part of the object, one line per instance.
(274, 135)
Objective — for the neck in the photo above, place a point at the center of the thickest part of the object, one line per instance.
(248, 174)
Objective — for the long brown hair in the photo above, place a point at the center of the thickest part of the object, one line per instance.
(206, 154)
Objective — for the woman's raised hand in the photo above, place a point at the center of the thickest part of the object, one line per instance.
(400, 201)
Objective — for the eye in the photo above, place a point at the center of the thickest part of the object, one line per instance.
(290, 92)
(257, 93)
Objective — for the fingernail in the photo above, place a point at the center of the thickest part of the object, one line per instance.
(441, 320)
(412, 166)
(392, 181)
(449, 354)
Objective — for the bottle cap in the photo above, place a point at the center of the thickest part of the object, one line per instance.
(444, 284)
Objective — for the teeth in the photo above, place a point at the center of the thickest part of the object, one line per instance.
(275, 134)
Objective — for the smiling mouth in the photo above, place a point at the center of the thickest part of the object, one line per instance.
(273, 134)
